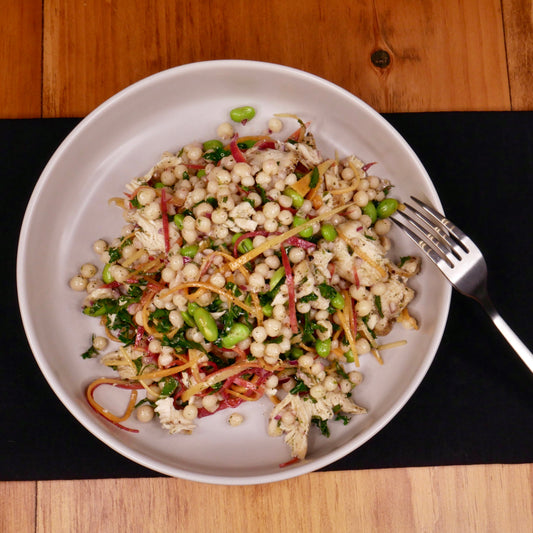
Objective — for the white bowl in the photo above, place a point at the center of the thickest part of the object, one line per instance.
(121, 139)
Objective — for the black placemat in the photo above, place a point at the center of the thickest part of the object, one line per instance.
(474, 406)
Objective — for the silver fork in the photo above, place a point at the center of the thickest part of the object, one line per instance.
(459, 259)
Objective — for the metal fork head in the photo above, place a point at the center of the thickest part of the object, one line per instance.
(456, 255)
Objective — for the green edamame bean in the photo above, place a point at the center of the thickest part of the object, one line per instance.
(296, 197)
(188, 319)
(242, 114)
(267, 310)
(305, 233)
(276, 277)
(192, 307)
(206, 324)
(201, 173)
(106, 275)
(296, 352)
(371, 211)
(329, 232)
(237, 333)
(189, 250)
(349, 356)
(338, 301)
(323, 348)
(178, 220)
(387, 207)
(213, 144)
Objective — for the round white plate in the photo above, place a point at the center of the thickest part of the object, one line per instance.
(120, 140)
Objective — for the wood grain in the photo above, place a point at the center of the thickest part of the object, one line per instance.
(468, 498)
(518, 19)
(17, 510)
(444, 55)
(20, 58)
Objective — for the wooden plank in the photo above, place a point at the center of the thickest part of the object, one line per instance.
(20, 58)
(443, 55)
(17, 510)
(462, 498)
(518, 20)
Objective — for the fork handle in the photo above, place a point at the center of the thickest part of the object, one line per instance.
(512, 338)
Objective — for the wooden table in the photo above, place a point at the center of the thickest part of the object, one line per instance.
(62, 58)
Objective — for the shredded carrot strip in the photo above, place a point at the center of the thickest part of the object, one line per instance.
(377, 355)
(278, 239)
(212, 288)
(347, 331)
(302, 186)
(104, 412)
(130, 260)
(390, 345)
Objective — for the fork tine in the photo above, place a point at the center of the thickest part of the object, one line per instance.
(459, 236)
(450, 246)
(437, 252)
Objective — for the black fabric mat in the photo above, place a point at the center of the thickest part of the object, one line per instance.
(476, 402)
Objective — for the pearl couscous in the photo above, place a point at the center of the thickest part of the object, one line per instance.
(248, 267)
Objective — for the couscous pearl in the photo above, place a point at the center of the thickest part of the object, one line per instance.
(78, 283)
(100, 246)
(176, 319)
(210, 402)
(152, 211)
(378, 289)
(285, 201)
(361, 198)
(119, 273)
(194, 153)
(218, 280)
(88, 270)
(272, 327)
(317, 392)
(168, 177)
(100, 343)
(190, 271)
(258, 240)
(272, 382)
(285, 217)
(235, 419)
(203, 224)
(256, 281)
(362, 346)
(345, 386)
(257, 349)
(168, 274)
(155, 346)
(275, 125)
(273, 262)
(296, 255)
(190, 412)
(225, 130)
(355, 377)
(259, 334)
(382, 226)
(270, 166)
(271, 209)
(146, 195)
(219, 216)
(262, 178)
(317, 368)
(363, 185)
(279, 312)
(164, 359)
(189, 235)
(330, 383)
(363, 307)
(144, 413)
(270, 225)
(347, 174)
(176, 262)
